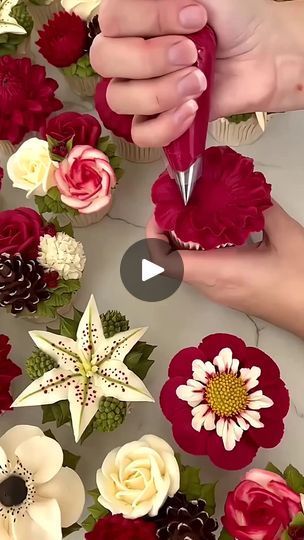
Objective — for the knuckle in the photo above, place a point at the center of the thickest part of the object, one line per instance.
(108, 19)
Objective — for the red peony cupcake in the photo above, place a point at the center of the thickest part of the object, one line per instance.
(226, 206)
(27, 98)
(225, 400)
(120, 126)
(64, 42)
(8, 372)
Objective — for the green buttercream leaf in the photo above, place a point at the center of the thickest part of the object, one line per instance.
(138, 359)
(51, 203)
(225, 535)
(272, 468)
(70, 460)
(192, 487)
(97, 511)
(298, 520)
(69, 530)
(88, 524)
(294, 479)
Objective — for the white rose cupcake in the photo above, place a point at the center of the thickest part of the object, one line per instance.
(85, 9)
(239, 129)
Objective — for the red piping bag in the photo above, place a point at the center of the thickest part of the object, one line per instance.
(185, 155)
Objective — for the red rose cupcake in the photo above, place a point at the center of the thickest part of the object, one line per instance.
(225, 400)
(226, 206)
(120, 126)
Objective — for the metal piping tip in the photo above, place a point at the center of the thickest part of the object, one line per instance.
(186, 180)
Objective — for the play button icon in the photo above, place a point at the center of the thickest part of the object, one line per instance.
(151, 271)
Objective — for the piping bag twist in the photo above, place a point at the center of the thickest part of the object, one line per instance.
(185, 154)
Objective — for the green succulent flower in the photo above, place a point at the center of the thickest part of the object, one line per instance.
(113, 322)
(110, 415)
(38, 364)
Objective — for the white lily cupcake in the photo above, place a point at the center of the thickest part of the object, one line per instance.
(239, 129)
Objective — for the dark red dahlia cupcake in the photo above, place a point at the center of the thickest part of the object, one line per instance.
(226, 206)
(225, 400)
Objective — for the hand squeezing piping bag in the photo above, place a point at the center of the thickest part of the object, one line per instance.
(185, 154)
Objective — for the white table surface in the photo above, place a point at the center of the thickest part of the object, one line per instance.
(280, 156)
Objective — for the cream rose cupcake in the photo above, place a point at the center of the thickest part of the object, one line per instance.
(239, 129)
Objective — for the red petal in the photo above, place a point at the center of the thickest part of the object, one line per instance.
(270, 435)
(240, 457)
(213, 344)
(187, 438)
(181, 363)
(170, 404)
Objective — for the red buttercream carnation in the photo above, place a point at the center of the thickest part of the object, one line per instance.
(20, 232)
(225, 400)
(8, 372)
(119, 528)
(63, 40)
(119, 124)
(82, 129)
(27, 98)
(1, 176)
(227, 203)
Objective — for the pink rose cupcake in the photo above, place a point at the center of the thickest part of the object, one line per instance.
(120, 126)
(226, 206)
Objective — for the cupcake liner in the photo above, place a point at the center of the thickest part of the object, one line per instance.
(41, 14)
(192, 245)
(83, 86)
(131, 152)
(232, 134)
(85, 220)
(7, 149)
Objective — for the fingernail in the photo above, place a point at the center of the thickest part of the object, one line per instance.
(183, 53)
(192, 17)
(193, 84)
(185, 112)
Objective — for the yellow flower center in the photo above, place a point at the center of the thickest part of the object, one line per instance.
(226, 394)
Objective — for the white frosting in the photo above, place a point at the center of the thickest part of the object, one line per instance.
(136, 479)
(25, 451)
(85, 9)
(9, 25)
(30, 168)
(63, 254)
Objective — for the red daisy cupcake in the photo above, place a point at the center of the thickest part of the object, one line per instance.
(226, 206)
(225, 400)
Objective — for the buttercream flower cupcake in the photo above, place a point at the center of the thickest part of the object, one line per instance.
(124, 507)
(88, 376)
(239, 129)
(260, 489)
(120, 126)
(43, 10)
(26, 83)
(8, 372)
(226, 206)
(225, 400)
(41, 265)
(16, 26)
(36, 487)
(65, 42)
(72, 172)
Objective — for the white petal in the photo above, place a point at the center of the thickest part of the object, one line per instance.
(3, 460)
(62, 349)
(24, 528)
(118, 381)
(50, 388)
(219, 362)
(90, 334)
(84, 398)
(197, 422)
(241, 422)
(253, 418)
(250, 376)
(209, 421)
(187, 393)
(199, 372)
(257, 401)
(3, 530)
(68, 490)
(238, 432)
(209, 368)
(46, 514)
(15, 436)
(42, 456)
(224, 359)
(195, 384)
(220, 427)
(118, 346)
(200, 409)
(229, 436)
(235, 366)
(302, 501)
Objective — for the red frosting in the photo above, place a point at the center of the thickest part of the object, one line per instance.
(227, 203)
(119, 528)
(8, 372)
(119, 124)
